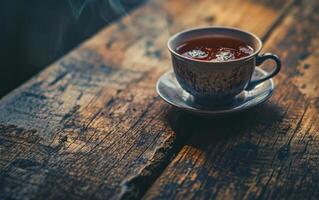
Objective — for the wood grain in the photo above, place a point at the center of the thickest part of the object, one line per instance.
(270, 152)
(91, 124)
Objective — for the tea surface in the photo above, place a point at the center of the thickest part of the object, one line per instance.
(214, 49)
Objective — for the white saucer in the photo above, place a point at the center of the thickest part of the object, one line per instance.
(170, 91)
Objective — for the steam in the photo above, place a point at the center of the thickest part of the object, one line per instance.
(117, 6)
(77, 6)
(110, 9)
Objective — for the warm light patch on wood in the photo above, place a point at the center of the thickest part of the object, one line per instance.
(307, 79)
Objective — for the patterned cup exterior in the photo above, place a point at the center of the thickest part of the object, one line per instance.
(217, 81)
(214, 80)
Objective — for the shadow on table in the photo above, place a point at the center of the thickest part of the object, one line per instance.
(203, 131)
(228, 142)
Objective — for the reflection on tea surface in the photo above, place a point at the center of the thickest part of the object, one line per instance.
(214, 49)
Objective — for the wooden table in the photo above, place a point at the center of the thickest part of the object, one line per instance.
(91, 125)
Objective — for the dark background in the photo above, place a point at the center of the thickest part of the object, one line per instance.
(34, 33)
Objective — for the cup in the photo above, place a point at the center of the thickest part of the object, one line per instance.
(214, 81)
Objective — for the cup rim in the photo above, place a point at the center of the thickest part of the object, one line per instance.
(173, 37)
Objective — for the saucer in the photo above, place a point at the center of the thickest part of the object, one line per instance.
(170, 91)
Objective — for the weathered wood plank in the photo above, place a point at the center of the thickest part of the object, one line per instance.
(270, 152)
(91, 125)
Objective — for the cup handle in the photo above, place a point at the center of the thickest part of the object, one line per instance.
(259, 60)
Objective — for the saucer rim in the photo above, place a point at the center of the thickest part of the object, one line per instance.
(216, 112)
